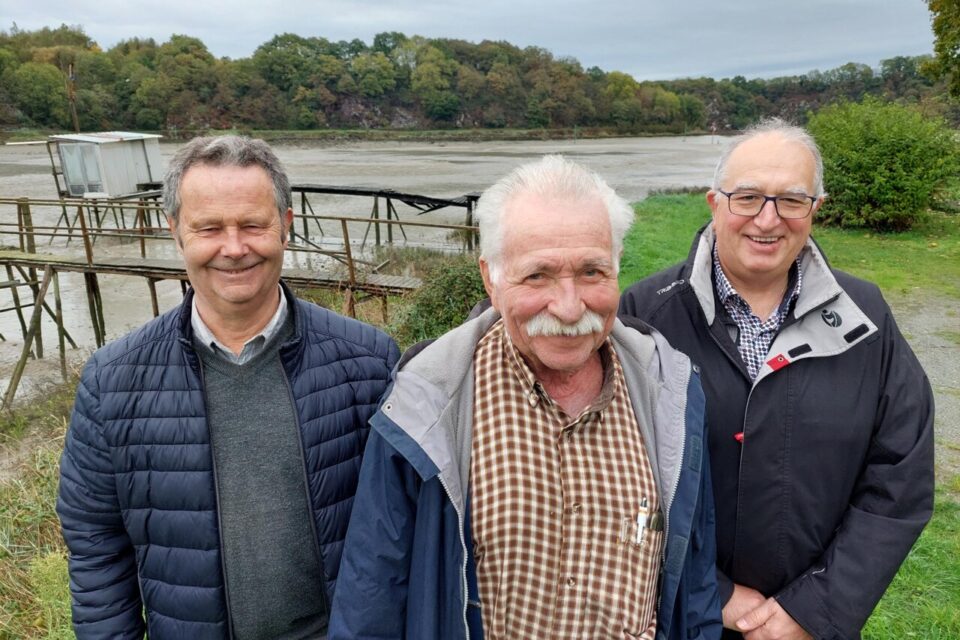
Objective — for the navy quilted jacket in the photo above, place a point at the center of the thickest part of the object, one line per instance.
(138, 496)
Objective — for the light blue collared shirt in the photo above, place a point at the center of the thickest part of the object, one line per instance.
(251, 347)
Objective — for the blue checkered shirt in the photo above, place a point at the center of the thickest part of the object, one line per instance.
(756, 335)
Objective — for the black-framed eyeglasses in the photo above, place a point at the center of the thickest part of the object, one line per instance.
(791, 206)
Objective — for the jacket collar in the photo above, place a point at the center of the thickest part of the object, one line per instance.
(819, 286)
(185, 326)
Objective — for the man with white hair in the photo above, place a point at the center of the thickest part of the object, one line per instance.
(539, 471)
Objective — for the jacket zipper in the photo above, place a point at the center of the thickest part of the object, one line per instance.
(676, 482)
(216, 494)
(306, 489)
(463, 566)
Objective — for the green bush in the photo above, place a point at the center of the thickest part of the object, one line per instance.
(883, 163)
(450, 290)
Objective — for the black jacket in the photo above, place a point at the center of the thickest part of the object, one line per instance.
(833, 480)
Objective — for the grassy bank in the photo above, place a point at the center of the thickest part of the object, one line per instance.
(34, 596)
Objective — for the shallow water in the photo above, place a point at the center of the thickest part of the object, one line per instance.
(632, 166)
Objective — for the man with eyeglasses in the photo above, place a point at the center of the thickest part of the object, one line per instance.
(819, 416)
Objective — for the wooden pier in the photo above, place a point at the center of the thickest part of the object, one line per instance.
(82, 221)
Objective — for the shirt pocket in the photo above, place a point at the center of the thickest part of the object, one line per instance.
(629, 580)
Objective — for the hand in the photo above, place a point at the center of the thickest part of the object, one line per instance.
(770, 622)
(743, 601)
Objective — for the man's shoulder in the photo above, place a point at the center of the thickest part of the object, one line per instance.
(644, 298)
(320, 324)
(162, 329)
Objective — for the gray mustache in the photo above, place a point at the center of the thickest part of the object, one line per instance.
(547, 324)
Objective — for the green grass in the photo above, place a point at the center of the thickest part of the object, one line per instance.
(924, 599)
(34, 597)
(662, 234)
(925, 258)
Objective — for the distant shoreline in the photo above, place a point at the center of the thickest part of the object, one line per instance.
(336, 136)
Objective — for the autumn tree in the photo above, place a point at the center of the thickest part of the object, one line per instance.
(946, 45)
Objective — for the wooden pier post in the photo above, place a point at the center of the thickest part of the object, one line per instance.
(61, 330)
(32, 333)
(16, 303)
(349, 301)
(154, 303)
(29, 244)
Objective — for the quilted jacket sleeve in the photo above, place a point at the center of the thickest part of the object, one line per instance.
(103, 574)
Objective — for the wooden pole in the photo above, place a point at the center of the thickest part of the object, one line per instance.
(154, 303)
(30, 246)
(16, 303)
(92, 305)
(31, 335)
(303, 215)
(87, 247)
(140, 223)
(349, 302)
(61, 331)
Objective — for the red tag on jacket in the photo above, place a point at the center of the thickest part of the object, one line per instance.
(778, 362)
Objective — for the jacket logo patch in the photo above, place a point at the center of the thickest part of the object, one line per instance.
(673, 284)
(832, 318)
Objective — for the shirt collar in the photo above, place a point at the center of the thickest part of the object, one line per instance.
(535, 392)
(251, 347)
(726, 290)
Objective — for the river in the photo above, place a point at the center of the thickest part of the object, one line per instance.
(632, 166)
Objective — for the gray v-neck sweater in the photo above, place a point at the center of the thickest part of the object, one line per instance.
(270, 557)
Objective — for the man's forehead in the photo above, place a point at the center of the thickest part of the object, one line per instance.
(769, 152)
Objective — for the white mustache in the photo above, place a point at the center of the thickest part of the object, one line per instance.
(547, 324)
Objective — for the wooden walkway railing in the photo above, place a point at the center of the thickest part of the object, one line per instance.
(355, 278)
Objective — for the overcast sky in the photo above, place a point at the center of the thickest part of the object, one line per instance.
(650, 39)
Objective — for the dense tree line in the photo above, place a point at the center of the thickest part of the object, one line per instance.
(398, 81)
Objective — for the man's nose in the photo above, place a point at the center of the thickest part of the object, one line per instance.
(234, 245)
(768, 216)
(566, 302)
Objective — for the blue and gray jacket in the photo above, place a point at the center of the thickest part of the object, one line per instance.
(407, 569)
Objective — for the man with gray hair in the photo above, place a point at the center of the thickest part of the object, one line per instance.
(539, 471)
(213, 454)
(820, 418)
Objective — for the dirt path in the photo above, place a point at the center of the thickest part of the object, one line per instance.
(932, 326)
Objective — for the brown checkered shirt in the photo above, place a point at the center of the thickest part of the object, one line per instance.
(555, 504)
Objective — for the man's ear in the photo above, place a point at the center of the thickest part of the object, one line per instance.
(817, 205)
(488, 282)
(712, 201)
(286, 222)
